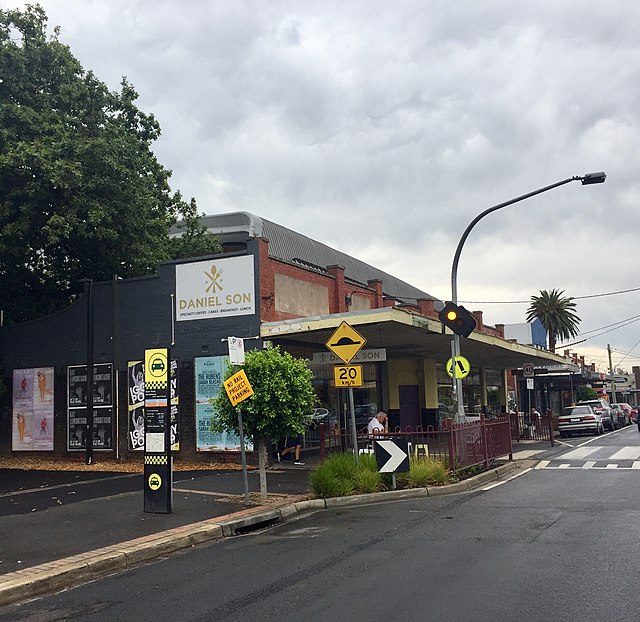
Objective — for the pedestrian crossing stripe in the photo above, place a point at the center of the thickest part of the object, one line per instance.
(155, 385)
(156, 460)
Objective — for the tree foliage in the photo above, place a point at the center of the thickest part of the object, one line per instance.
(82, 194)
(586, 393)
(556, 314)
(283, 397)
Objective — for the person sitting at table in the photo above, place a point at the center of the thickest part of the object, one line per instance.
(378, 424)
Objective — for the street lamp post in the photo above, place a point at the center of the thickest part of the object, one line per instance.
(588, 179)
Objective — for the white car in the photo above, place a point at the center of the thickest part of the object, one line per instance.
(580, 418)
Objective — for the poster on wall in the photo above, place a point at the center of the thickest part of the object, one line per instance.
(135, 401)
(102, 385)
(102, 406)
(215, 288)
(32, 421)
(209, 371)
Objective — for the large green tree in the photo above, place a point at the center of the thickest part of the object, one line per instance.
(556, 314)
(81, 192)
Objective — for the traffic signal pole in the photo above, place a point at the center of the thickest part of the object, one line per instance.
(588, 179)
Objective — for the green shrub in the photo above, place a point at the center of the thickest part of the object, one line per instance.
(340, 475)
(335, 476)
(366, 479)
(426, 472)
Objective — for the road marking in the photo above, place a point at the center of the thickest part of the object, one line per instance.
(564, 466)
(635, 465)
(542, 464)
(611, 466)
(527, 453)
(504, 481)
(580, 453)
(589, 464)
(626, 453)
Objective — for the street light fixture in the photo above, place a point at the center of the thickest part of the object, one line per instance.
(588, 179)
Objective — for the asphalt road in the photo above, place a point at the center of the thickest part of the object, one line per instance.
(555, 543)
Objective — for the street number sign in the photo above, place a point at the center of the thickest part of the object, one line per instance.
(462, 367)
(345, 342)
(347, 375)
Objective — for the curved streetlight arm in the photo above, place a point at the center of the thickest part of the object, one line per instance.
(472, 224)
(589, 178)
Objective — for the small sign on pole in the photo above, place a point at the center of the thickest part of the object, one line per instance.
(238, 387)
(236, 350)
(347, 375)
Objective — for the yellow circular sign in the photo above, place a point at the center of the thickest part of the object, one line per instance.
(462, 367)
(155, 481)
(158, 365)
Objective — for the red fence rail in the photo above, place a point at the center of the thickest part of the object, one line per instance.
(459, 446)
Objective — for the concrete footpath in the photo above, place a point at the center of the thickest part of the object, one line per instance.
(81, 526)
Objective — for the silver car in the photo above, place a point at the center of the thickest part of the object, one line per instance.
(581, 418)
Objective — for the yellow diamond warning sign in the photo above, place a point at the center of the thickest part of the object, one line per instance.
(345, 342)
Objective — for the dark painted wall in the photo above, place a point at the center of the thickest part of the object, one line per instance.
(138, 317)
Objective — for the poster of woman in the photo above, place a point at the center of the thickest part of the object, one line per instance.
(32, 421)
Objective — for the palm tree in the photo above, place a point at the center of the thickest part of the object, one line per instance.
(556, 314)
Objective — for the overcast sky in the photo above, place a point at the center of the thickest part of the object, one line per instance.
(383, 128)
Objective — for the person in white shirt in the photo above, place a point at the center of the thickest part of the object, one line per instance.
(378, 424)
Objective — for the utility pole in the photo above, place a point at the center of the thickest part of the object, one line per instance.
(613, 383)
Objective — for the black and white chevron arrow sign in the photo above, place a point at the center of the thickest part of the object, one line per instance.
(392, 456)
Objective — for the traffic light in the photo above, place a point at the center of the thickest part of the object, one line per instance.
(458, 319)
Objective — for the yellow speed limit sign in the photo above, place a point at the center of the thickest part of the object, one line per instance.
(461, 368)
(347, 375)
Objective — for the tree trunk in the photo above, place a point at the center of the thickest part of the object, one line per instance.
(262, 463)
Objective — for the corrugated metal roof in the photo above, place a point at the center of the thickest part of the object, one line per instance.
(288, 245)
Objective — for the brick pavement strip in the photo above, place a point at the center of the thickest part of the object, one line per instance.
(51, 576)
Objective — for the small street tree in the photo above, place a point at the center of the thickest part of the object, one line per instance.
(280, 406)
(556, 314)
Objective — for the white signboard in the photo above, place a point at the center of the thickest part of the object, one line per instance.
(236, 350)
(373, 355)
(215, 288)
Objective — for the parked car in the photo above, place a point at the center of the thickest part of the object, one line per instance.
(604, 410)
(580, 418)
(622, 412)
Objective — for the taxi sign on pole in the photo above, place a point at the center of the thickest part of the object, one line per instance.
(347, 375)
(462, 367)
(238, 387)
(345, 342)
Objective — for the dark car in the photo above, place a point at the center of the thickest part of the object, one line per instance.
(622, 412)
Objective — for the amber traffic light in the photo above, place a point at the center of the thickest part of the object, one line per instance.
(458, 319)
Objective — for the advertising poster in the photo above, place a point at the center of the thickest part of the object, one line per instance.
(102, 406)
(209, 371)
(102, 428)
(135, 401)
(32, 426)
